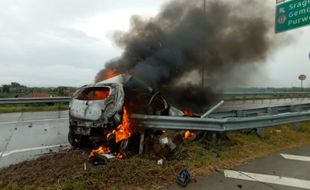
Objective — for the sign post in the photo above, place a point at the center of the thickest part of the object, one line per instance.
(302, 77)
(292, 14)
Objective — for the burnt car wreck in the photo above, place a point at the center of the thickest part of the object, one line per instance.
(99, 113)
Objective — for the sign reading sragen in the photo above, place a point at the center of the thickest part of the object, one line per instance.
(292, 14)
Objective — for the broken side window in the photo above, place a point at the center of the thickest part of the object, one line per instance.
(98, 93)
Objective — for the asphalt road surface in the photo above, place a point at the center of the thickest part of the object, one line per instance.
(284, 170)
(25, 136)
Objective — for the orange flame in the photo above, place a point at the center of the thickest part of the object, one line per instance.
(110, 133)
(188, 135)
(120, 155)
(100, 150)
(125, 129)
(101, 94)
(188, 112)
(109, 74)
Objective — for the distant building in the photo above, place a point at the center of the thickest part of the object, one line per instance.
(39, 94)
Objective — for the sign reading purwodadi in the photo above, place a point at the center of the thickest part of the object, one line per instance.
(292, 14)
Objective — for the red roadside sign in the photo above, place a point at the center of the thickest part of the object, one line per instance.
(302, 77)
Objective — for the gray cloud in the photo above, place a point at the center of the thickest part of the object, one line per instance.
(41, 45)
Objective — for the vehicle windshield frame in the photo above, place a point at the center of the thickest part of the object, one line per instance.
(87, 94)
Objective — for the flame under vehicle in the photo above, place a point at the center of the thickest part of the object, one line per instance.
(97, 109)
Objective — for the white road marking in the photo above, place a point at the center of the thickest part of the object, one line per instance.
(8, 153)
(278, 180)
(31, 121)
(296, 157)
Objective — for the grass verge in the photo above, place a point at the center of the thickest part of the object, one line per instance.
(66, 170)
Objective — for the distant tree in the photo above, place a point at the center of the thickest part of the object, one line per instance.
(61, 91)
(15, 84)
(6, 88)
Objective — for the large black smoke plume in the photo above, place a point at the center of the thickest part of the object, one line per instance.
(164, 50)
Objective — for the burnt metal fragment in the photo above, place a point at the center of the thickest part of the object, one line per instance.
(183, 177)
(101, 159)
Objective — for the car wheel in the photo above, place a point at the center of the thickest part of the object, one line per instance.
(75, 140)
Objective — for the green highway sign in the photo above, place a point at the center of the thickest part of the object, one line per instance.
(292, 14)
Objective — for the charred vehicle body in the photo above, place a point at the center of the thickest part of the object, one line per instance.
(98, 108)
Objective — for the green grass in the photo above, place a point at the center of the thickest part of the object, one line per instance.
(139, 172)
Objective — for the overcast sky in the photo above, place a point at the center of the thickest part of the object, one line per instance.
(66, 42)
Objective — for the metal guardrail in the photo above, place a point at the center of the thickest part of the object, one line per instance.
(262, 111)
(235, 113)
(226, 96)
(218, 125)
(229, 121)
(34, 100)
(221, 121)
(264, 95)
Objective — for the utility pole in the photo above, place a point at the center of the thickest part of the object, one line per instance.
(203, 65)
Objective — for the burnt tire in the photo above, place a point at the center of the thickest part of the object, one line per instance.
(76, 141)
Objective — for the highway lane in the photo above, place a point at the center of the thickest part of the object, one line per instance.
(25, 136)
(13, 117)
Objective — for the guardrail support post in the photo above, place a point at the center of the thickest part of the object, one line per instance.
(260, 132)
(214, 138)
(141, 145)
(298, 126)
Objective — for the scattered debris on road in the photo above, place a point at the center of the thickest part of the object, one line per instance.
(184, 177)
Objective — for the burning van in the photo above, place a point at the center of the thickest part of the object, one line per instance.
(99, 113)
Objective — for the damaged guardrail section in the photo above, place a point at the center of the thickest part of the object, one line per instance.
(218, 125)
(217, 122)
